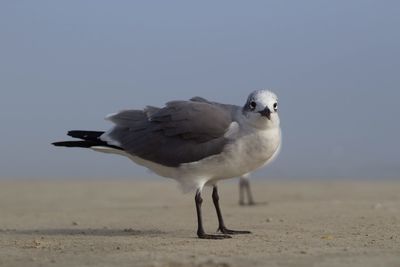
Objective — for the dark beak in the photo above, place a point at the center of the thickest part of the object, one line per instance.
(266, 112)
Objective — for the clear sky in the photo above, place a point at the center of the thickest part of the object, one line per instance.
(335, 66)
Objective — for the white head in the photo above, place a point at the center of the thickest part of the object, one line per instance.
(261, 109)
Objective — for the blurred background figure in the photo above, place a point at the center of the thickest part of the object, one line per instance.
(244, 189)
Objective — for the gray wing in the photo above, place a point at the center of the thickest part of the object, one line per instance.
(181, 132)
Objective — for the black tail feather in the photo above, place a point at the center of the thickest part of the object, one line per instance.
(85, 135)
(89, 139)
(85, 144)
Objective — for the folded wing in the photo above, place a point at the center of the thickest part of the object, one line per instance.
(181, 132)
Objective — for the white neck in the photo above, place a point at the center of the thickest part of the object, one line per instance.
(260, 123)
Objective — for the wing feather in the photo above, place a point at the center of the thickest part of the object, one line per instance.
(181, 132)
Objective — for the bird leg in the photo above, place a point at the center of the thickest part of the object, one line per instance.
(249, 194)
(200, 230)
(244, 184)
(241, 191)
(244, 187)
(222, 228)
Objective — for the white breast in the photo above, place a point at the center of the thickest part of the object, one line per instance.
(246, 154)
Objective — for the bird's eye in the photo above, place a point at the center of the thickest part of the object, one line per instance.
(276, 106)
(253, 105)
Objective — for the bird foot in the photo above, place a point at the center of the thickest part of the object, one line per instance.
(208, 236)
(225, 230)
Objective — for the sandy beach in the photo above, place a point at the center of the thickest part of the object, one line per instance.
(139, 223)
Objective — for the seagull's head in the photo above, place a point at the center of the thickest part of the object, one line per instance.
(261, 109)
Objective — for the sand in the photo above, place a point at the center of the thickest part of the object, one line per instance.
(131, 223)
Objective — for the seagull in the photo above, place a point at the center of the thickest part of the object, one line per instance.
(195, 142)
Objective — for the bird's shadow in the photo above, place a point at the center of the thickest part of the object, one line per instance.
(85, 232)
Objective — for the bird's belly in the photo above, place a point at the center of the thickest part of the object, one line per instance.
(245, 155)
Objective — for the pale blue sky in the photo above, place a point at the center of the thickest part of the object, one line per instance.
(335, 66)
